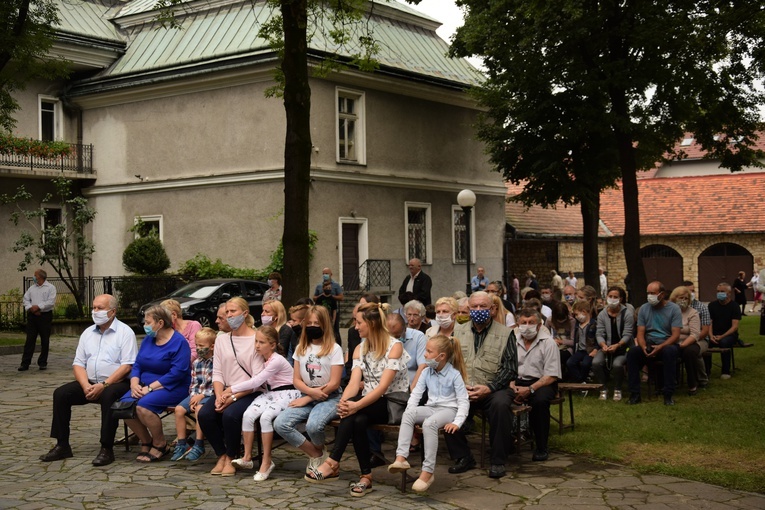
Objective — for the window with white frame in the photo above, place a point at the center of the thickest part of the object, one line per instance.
(459, 235)
(49, 119)
(52, 218)
(148, 225)
(418, 232)
(350, 126)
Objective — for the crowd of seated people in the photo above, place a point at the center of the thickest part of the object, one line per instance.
(477, 353)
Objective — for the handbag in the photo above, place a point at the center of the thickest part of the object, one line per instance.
(396, 401)
(124, 409)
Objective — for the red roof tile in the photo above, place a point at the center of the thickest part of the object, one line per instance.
(674, 206)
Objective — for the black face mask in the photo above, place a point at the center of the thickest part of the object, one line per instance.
(314, 332)
(297, 328)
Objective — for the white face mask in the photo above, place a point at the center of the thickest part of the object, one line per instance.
(527, 331)
(444, 320)
(693, 296)
(100, 317)
(580, 317)
(266, 320)
(653, 299)
(613, 302)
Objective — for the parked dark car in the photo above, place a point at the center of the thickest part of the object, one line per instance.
(200, 300)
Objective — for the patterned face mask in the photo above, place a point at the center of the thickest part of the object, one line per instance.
(479, 316)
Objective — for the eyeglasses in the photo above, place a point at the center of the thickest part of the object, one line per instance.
(412, 315)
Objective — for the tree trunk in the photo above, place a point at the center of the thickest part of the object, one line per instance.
(297, 150)
(590, 220)
(631, 238)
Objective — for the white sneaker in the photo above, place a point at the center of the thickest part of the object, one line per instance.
(617, 395)
(725, 376)
(603, 395)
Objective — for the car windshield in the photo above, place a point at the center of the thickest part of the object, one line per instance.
(196, 290)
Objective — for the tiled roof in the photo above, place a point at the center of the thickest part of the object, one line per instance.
(709, 204)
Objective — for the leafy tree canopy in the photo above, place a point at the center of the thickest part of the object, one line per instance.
(26, 35)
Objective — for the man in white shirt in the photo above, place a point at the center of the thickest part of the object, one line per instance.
(102, 364)
(39, 300)
(603, 283)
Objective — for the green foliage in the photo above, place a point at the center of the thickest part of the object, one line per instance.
(25, 40)
(10, 144)
(145, 256)
(62, 245)
(201, 267)
(11, 310)
(72, 312)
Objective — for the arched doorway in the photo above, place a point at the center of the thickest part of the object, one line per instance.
(721, 263)
(664, 264)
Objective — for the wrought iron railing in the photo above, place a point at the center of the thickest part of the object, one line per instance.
(374, 273)
(11, 315)
(79, 159)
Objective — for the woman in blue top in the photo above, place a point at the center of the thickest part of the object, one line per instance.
(160, 379)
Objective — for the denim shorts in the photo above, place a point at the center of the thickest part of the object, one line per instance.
(185, 403)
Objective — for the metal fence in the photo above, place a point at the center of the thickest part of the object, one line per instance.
(131, 292)
(11, 314)
(372, 274)
(79, 160)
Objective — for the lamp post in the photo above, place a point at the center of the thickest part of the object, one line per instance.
(466, 200)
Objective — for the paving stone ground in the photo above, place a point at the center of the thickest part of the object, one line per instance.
(27, 483)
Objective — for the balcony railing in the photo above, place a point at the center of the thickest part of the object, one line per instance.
(79, 160)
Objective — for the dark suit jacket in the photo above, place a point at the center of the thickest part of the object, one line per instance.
(421, 288)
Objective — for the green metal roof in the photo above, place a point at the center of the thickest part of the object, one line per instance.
(217, 31)
(90, 18)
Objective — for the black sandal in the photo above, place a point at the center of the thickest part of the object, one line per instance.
(163, 451)
(144, 455)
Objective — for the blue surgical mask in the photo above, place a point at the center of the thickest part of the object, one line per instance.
(722, 296)
(479, 316)
(149, 332)
(431, 363)
(235, 321)
(325, 277)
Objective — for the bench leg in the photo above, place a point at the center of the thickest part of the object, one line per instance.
(571, 411)
(127, 436)
(483, 438)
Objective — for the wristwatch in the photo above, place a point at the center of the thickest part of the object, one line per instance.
(150, 389)
(531, 389)
(233, 398)
(105, 384)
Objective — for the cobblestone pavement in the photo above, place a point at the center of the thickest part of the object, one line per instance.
(27, 483)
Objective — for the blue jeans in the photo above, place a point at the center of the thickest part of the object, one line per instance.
(316, 416)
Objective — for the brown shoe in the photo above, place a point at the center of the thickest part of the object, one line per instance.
(58, 452)
(104, 457)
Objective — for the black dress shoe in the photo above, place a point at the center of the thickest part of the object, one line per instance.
(497, 471)
(23, 368)
(58, 452)
(462, 465)
(634, 399)
(668, 400)
(377, 459)
(540, 455)
(43, 367)
(104, 457)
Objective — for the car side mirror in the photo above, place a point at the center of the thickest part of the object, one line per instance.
(225, 296)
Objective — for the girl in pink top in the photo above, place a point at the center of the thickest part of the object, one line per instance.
(276, 380)
(186, 328)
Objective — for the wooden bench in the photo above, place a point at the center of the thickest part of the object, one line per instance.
(170, 411)
(571, 388)
(391, 429)
(732, 350)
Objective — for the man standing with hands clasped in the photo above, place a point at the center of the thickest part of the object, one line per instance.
(39, 300)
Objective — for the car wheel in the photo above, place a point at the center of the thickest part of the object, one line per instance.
(205, 320)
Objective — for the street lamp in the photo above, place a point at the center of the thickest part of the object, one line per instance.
(466, 200)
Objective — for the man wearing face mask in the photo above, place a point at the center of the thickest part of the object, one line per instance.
(39, 300)
(725, 314)
(103, 360)
(658, 330)
(335, 293)
(490, 359)
(538, 373)
(569, 295)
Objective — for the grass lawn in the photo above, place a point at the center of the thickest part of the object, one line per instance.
(716, 437)
(12, 339)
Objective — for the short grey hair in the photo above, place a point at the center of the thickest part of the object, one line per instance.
(416, 305)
